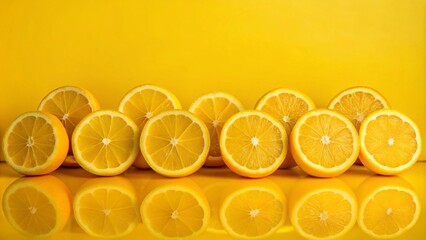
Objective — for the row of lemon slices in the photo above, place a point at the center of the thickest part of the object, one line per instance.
(150, 131)
(385, 207)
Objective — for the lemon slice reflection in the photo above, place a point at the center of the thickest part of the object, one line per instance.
(388, 206)
(106, 207)
(322, 208)
(253, 209)
(175, 209)
(37, 206)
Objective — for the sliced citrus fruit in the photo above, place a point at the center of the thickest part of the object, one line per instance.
(142, 103)
(105, 142)
(177, 209)
(214, 109)
(388, 206)
(35, 143)
(256, 209)
(324, 143)
(106, 207)
(390, 142)
(356, 103)
(322, 208)
(287, 105)
(253, 144)
(175, 143)
(37, 206)
(69, 104)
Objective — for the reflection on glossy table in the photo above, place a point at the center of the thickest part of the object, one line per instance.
(213, 184)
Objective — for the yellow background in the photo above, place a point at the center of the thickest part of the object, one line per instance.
(191, 47)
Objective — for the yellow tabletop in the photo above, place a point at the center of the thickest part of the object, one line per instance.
(213, 184)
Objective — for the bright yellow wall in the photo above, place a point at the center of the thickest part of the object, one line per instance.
(244, 47)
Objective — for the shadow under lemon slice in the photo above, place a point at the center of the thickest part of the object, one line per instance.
(253, 208)
(175, 209)
(388, 206)
(37, 206)
(215, 195)
(106, 207)
(322, 208)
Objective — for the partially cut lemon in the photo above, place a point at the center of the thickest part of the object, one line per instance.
(255, 209)
(37, 206)
(105, 142)
(287, 105)
(177, 209)
(388, 206)
(35, 143)
(214, 109)
(390, 142)
(175, 143)
(324, 143)
(357, 103)
(106, 207)
(142, 103)
(322, 208)
(69, 104)
(253, 144)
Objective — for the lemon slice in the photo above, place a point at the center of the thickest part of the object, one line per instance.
(142, 103)
(214, 109)
(35, 143)
(322, 208)
(254, 210)
(388, 206)
(324, 143)
(37, 206)
(357, 103)
(253, 144)
(177, 209)
(106, 207)
(175, 143)
(105, 142)
(390, 142)
(288, 105)
(69, 104)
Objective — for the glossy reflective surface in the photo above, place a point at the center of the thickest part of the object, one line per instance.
(211, 204)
